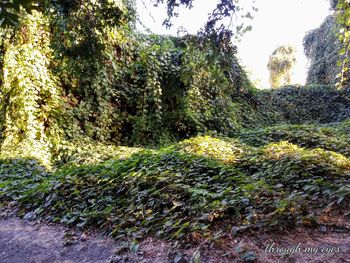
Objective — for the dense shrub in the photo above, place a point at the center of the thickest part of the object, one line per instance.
(95, 77)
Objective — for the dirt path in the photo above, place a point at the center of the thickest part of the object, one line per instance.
(27, 242)
(22, 242)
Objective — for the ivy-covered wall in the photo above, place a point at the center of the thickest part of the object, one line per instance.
(81, 71)
(322, 48)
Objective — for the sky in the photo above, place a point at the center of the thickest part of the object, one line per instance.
(277, 22)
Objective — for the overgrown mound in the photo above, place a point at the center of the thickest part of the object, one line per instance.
(332, 137)
(190, 187)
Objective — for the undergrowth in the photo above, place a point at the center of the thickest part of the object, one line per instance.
(332, 137)
(276, 176)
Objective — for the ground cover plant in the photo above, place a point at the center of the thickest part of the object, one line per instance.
(190, 187)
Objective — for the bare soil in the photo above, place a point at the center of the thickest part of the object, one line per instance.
(36, 242)
(22, 242)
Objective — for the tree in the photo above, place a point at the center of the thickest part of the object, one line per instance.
(280, 65)
(327, 48)
(214, 28)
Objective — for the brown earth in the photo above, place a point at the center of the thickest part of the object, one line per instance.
(22, 241)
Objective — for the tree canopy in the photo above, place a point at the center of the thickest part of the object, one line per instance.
(281, 63)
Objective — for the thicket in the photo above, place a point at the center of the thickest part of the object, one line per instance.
(94, 77)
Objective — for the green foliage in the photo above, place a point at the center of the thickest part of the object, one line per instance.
(330, 137)
(90, 152)
(29, 92)
(110, 83)
(322, 48)
(9, 10)
(343, 22)
(84, 63)
(309, 104)
(77, 81)
(212, 79)
(185, 188)
(280, 65)
(224, 150)
(327, 47)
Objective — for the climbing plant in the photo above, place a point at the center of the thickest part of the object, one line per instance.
(76, 71)
(29, 91)
(322, 48)
(9, 10)
(343, 21)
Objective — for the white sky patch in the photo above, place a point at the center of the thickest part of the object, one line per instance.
(278, 22)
